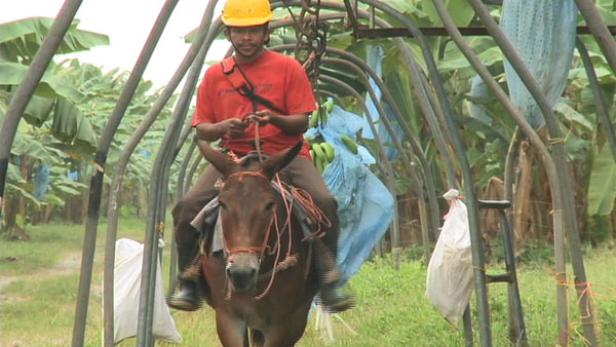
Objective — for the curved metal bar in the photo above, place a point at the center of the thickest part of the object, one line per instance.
(363, 68)
(429, 110)
(470, 197)
(560, 160)
(389, 177)
(100, 159)
(117, 179)
(26, 88)
(425, 106)
(179, 191)
(420, 181)
(519, 330)
(408, 161)
(158, 187)
(339, 101)
(599, 30)
(120, 168)
(602, 106)
(383, 171)
(335, 96)
(182, 186)
(186, 131)
(192, 171)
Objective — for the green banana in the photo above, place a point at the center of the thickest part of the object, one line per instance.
(329, 150)
(329, 105)
(349, 142)
(314, 120)
(318, 151)
(318, 162)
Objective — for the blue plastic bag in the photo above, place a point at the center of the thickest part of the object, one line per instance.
(365, 205)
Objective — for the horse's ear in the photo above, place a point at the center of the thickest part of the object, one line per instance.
(277, 162)
(221, 161)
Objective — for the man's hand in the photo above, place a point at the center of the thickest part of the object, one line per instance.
(260, 118)
(234, 127)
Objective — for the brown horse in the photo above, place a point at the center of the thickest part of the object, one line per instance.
(262, 286)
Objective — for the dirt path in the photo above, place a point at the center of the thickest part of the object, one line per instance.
(70, 263)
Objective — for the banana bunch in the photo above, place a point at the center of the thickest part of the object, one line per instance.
(322, 154)
(321, 114)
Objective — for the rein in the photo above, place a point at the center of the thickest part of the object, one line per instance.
(279, 264)
(289, 260)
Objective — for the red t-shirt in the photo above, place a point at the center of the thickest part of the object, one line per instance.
(275, 77)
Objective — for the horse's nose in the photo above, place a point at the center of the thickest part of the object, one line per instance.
(244, 278)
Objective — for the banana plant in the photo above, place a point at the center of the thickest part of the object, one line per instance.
(66, 115)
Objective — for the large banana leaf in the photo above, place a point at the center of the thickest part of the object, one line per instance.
(21, 39)
(71, 126)
(602, 186)
(51, 85)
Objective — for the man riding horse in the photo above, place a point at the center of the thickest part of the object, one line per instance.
(264, 93)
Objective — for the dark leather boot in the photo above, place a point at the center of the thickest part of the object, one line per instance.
(186, 296)
(331, 296)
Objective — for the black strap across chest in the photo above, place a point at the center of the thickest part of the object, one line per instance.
(242, 84)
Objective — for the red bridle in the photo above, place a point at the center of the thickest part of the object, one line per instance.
(232, 252)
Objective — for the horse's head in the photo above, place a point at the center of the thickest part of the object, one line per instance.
(248, 205)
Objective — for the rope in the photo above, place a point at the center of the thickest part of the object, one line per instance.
(586, 290)
(289, 260)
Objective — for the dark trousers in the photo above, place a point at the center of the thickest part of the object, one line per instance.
(300, 173)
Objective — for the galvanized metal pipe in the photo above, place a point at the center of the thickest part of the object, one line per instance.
(597, 27)
(96, 183)
(158, 187)
(390, 181)
(473, 213)
(588, 320)
(603, 109)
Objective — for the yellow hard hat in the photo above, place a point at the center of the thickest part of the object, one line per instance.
(245, 13)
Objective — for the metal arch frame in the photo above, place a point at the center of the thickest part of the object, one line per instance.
(121, 167)
(602, 32)
(559, 156)
(337, 6)
(158, 187)
(110, 131)
(428, 108)
(419, 178)
(408, 55)
(431, 196)
(100, 160)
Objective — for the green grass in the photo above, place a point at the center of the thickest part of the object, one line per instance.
(392, 309)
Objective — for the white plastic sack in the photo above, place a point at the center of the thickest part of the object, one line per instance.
(127, 272)
(449, 282)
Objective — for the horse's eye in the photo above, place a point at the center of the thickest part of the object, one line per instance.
(270, 206)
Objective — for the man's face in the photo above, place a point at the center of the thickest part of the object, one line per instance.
(248, 41)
